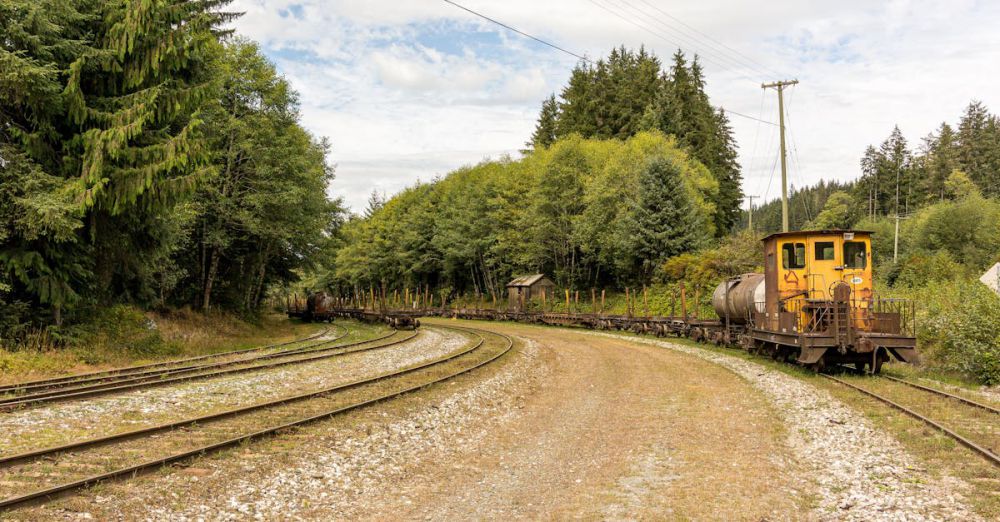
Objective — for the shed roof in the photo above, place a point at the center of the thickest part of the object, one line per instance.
(527, 280)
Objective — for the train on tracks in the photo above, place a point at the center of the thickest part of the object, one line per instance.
(814, 304)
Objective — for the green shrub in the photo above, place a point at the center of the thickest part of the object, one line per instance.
(960, 329)
(920, 269)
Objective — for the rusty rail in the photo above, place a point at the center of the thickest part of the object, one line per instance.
(158, 379)
(984, 452)
(133, 470)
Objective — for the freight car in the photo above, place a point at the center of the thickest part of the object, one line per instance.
(814, 304)
(321, 306)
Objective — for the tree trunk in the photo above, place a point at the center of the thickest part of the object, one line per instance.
(213, 267)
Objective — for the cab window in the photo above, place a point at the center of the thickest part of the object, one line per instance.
(824, 251)
(855, 254)
(793, 255)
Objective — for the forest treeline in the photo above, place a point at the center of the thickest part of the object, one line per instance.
(629, 166)
(147, 157)
(944, 164)
(586, 211)
(631, 91)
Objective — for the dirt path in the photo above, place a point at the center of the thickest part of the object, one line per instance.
(619, 431)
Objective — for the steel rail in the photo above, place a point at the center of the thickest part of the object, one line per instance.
(6, 461)
(959, 398)
(137, 375)
(10, 388)
(8, 503)
(153, 375)
(149, 382)
(986, 453)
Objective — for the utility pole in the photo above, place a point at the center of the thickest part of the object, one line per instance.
(750, 211)
(780, 87)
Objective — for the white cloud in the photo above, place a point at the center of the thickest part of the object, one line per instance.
(402, 94)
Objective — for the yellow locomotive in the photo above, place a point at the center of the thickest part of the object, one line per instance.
(816, 303)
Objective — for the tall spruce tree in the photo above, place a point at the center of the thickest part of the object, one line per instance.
(545, 129)
(663, 224)
(940, 160)
(105, 98)
(979, 147)
(609, 98)
(682, 108)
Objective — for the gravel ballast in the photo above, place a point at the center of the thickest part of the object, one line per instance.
(48, 425)
(343, 472)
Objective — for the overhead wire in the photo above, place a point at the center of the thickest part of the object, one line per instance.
(795, 149)
(695, 43)
(518, 31)
(645, 28)
(710, 38)
(566, 51)
(756, 136)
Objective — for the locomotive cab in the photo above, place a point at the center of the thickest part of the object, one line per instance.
(820, 306)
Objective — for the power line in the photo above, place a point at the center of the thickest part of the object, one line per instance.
(518, 31)
(756, 136)
(737, 52)
(661, 37)
(749, 117)
(695, 42)
(571, 53)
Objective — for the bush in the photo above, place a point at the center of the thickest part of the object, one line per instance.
(117, 329)
(960, 330)
(920, 269)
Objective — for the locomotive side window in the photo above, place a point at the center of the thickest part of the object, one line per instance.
(793, 255)
(824, 251)
(855, 254)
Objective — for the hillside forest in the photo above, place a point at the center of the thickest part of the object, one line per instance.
(151, 160)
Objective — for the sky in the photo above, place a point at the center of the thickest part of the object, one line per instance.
(409, 90)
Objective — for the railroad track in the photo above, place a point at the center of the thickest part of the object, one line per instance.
(68, 380)
(972, 424)
(305, 354)
(84, 463)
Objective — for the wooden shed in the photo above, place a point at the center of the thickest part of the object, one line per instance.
(523, 289)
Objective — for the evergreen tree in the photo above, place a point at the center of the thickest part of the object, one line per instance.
(608, 99)
(977, 147)
(894, 171)
(682, 108)
(940, 160)
(723, 165)
(545, 129)
(101, 107)
(663, 222)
